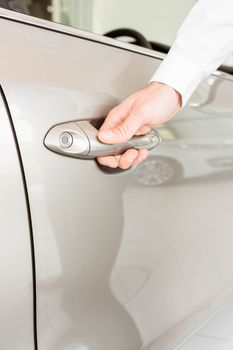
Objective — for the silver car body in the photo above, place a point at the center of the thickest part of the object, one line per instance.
(91, 260)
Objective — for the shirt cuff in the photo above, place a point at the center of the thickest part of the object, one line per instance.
(180, 73)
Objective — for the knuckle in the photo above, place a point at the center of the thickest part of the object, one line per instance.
(123, 130)
(112, 114)
(114, 111)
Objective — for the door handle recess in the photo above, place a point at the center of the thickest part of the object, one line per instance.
(79, 140)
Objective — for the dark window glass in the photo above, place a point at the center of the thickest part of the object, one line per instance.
(41, 8)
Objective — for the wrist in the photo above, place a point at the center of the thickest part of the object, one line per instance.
(172, 93)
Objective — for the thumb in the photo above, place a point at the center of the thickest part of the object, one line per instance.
(123, 132)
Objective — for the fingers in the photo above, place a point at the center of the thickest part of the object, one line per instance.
(123, 132)
(143, 130)
(113, 119)
(132, 157)
(143, 154)
(110, 161)
(125, 161)
(128, 158)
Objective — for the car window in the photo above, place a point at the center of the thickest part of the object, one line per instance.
(157, 20)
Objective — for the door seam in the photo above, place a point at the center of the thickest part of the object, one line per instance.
(33, 260)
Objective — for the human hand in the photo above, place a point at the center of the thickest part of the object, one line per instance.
(150, 107)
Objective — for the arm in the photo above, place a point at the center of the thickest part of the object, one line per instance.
(203, 42)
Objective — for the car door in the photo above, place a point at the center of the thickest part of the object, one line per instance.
(119, 264)
(16, 245)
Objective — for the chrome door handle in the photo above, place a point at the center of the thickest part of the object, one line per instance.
(79, 139)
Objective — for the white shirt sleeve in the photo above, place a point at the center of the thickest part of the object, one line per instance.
(203, 42)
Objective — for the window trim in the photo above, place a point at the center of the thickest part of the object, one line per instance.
(72, 31)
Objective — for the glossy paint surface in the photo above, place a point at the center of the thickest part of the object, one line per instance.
(16, 289)
(134, 260)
